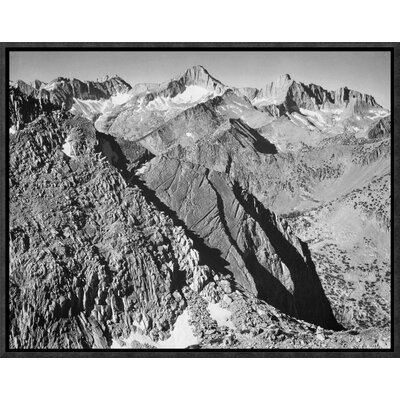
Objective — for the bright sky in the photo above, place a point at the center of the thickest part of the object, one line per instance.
(366, 71)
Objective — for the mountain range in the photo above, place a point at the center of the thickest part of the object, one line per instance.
(236, 217)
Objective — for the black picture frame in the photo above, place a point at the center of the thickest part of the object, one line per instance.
(393, 48)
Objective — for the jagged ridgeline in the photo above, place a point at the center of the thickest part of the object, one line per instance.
(193, 214)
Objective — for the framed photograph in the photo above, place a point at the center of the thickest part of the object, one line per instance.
(208, 200)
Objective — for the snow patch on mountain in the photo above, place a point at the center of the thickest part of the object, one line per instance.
(94, 107)
(67, 148)
(376, 114)
(121, 98)
(259, 102)
(50, 86)
(89, 107)
(299, 118)
(192, 94)
(142, 169)
(181, 337)
(221, 315)
(315, 114)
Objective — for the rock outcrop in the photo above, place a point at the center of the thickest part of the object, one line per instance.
(23, 107)
(381, 130)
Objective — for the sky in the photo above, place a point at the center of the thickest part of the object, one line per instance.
(365, 71)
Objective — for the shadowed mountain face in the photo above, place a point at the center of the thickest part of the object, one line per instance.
(24, 108)
(263, 255)
(161, 207)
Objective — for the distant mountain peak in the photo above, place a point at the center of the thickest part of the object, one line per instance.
(286, 95)
(284, 78)
(274, 92)
(107, 78)
(195, 76)
(196, 69)
(198, 75)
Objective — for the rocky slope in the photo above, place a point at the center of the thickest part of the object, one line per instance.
(94, 262)
(90, 257)
(349, 239)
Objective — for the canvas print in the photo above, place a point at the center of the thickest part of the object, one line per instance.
(199, 200)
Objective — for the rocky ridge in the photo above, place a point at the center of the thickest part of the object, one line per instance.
(286, 95)
(97, 258)
(65, 93)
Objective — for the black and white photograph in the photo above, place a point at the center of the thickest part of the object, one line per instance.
(194, 199)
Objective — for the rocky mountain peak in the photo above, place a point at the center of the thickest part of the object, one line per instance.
(275, 91)
(283, 79)
(60, 79)
(196, 72)
(115, 78)
(285, 95)
(23, 86)
(199, 76)
(197, 79)
(37, 84)
(345, 95)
